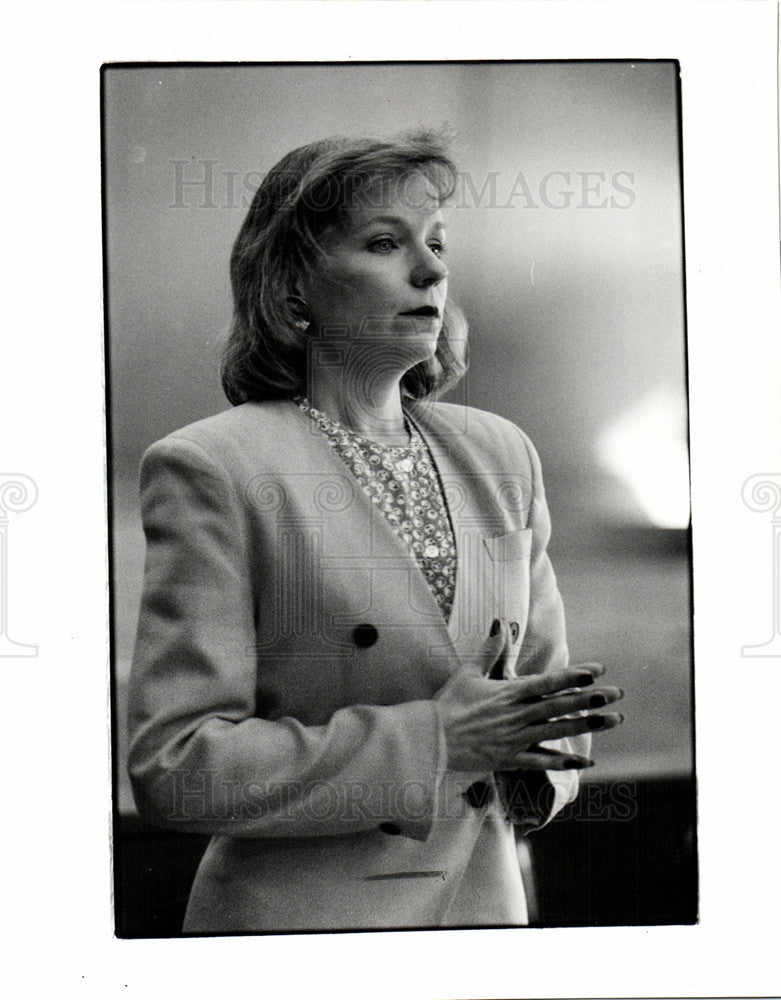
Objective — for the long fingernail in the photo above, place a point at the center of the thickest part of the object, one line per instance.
(584, 679)
(597, 701)
(495, 626)
(595, 721)
(578, 762)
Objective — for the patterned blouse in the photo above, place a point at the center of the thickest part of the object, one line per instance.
(404, 483)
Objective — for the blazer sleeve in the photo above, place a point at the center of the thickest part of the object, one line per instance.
(199, 758)
(532, 798)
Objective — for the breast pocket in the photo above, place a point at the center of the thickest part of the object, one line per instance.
(509, 558)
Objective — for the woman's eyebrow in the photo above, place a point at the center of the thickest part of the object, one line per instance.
(395, 220)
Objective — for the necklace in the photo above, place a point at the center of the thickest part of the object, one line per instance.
(327, 423)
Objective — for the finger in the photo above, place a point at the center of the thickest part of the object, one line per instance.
(566, 704)
(538, 685)
(550, 760)
(573, 727)
(494, 646)
(597, 669)
(495, 661)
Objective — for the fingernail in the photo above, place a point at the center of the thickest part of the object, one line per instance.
(597, 701)
(595, 721)
(621, 692)
(584, 679)
(578, 762)
(495, 626)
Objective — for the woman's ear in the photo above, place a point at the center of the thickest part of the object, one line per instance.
(301, 316)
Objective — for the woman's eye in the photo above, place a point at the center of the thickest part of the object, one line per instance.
(438, 248)
(383, 245)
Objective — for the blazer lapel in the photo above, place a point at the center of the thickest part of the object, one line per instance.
(375, 545)
(470, 489)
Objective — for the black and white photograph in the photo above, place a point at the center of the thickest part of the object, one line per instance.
(402, 589)
(390, 577)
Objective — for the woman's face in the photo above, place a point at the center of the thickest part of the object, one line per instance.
(385, 280)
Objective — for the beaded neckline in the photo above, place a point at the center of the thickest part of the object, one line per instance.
(326, 423)
(402, 482)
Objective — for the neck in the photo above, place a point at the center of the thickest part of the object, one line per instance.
(375, 414)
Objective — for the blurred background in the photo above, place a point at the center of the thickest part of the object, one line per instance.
(565, 252)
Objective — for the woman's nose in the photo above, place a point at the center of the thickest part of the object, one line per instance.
(428, 270)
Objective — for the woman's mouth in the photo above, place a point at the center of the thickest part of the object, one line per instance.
(430, 311)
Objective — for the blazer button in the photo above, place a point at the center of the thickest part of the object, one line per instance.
(479, 794)
(364, 636)
(390, 828)
(515, 631)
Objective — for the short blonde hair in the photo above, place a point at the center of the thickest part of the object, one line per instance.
(308, 191)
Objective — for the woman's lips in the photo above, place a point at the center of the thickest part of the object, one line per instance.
(430, 311)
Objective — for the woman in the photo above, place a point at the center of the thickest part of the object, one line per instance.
(351, 643)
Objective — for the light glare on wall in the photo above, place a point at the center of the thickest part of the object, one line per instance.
(646, 448)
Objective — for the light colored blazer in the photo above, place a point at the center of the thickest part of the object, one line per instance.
(288, 654)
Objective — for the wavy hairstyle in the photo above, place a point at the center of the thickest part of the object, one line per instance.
(307, 192)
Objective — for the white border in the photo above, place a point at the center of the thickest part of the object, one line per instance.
(56, 782)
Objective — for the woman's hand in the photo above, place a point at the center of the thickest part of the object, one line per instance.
(495, 724)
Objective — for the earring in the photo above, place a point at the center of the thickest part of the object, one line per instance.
(300, 311)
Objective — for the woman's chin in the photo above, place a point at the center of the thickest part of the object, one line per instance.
(422, 335)
(422, 349)
(408, 346)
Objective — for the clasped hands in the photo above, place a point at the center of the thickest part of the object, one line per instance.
(497, 724)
